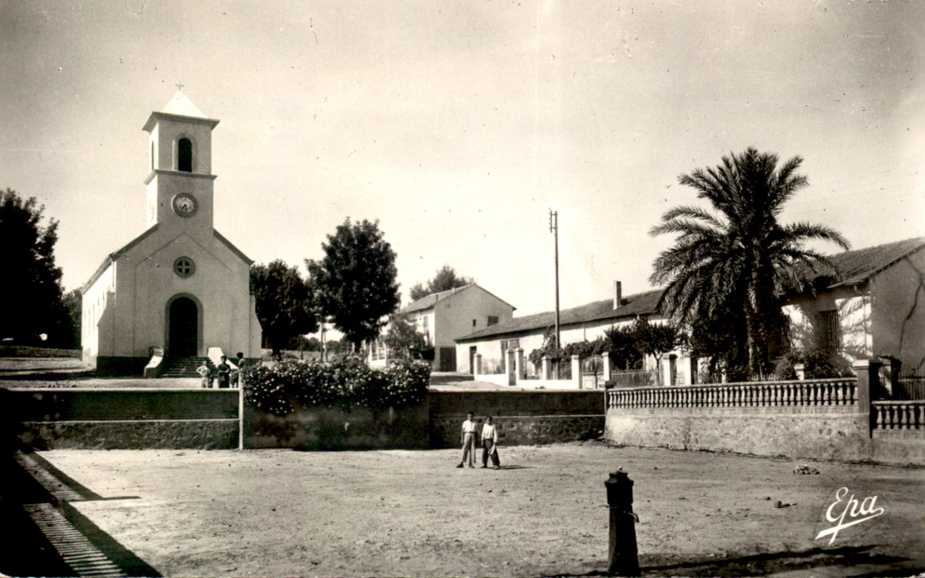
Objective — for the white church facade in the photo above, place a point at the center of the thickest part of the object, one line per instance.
(180, 288)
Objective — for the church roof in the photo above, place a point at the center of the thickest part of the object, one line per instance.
(110, 258)
(179, 106)
(115, 255)
(232, 248)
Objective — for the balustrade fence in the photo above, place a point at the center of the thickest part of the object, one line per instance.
(816, 392)
(907, 414)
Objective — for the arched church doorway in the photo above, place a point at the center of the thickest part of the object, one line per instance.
(183, 327)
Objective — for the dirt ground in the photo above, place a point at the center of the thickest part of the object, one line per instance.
(412, 513)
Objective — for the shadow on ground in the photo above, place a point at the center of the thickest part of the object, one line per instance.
(27, 551)
(847, 560)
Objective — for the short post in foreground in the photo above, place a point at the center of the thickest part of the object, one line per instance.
(240, 414)
(622, 556)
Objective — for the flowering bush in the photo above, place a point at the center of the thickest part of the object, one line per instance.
(345, 383)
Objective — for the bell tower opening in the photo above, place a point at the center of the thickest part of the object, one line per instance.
(185, 155)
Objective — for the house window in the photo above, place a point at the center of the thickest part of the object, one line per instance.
(509, 344)
(492, 320)
(473, 323)
(184, 267)
(185, 155)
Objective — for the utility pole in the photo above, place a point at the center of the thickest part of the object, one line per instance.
(554, 229)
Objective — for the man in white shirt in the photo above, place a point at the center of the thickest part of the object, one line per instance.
(468, 441)
(490, 444)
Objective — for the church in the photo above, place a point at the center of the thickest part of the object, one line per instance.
(179, 291)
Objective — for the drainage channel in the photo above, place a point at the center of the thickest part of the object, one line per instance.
(75, 549)
(80, 544)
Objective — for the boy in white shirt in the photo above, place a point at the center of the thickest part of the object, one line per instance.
(468, 441)
(490, 444)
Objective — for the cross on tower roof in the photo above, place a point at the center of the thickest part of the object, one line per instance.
(180, 86)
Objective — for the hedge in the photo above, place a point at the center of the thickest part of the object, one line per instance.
(345, 384)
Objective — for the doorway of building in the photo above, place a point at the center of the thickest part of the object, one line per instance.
(183, 328)
(447, 359)
(472, 367)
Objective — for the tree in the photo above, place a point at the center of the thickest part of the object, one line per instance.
(284, 303)
(444, 280)
(403, 340)
(30, 294)
(355, 281)
(737, 256)
(656, 340)
(721, 341)
(620, 343)
(69, 324)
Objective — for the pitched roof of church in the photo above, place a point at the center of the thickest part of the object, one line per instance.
(232, 248)
(110, 258)
(179, 106)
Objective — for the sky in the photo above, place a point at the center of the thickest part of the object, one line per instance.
(459, 125)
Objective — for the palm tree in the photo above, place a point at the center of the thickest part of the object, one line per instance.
(731, 265)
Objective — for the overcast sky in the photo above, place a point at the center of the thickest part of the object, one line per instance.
(459, 125)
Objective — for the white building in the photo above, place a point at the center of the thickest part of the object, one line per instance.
(874, 305)
(444, 316)
(501, 344)
(180, 286)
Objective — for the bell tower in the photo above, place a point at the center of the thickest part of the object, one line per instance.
(179, 192)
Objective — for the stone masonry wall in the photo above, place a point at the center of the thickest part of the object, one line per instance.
(839, 433)
(207, 434)
(522, 417)
(121, 418)
(335, 429)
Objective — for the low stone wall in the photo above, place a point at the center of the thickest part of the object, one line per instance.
(75, 404)
(30, 351)
(838, 433)
(122, 418)
(521, 417)
(900, 447)
(334, 429)
(145, 434)
(821, 419)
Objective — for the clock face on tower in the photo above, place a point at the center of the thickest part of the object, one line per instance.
(184, 204)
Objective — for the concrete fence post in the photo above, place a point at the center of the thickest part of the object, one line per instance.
(868, 374)
(478, 364)
(800, 370)
(605, 366)
(519, 364)
(545, 367)
(240, 413)
(576, 371)
(622, 552)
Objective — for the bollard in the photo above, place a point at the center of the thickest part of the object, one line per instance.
(623, 556)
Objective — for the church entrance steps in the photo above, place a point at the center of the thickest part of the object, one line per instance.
(181, 366)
